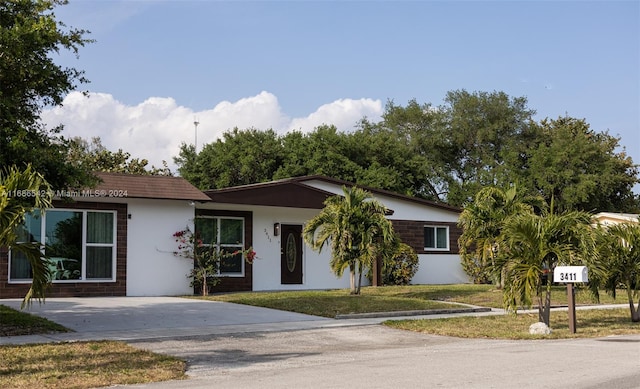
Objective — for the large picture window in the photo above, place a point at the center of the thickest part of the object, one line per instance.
(80, 245)
(436, 238)
(226, 234)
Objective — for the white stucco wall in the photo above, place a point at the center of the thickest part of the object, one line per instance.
(152, 269)
(266, 271)
(316, 273)
(440, 269)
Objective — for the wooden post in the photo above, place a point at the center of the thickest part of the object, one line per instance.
(571, 296)
(377, 272)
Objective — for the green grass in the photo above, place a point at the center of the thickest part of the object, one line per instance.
(15, 323)
(590, 323)
(329, 303)
(83, 365)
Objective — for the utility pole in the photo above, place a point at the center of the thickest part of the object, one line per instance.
(195, 124)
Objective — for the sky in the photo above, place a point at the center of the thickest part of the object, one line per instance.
(157, 66)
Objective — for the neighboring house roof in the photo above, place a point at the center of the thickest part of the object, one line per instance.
(297, 192)
(149, 187)
(616, 218)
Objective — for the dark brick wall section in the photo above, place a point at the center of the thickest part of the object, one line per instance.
(411, 232)
(235, 284)
(79, 289)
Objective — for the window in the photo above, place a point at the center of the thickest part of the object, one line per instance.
(436, 238)
(225, 234)
(80, 244)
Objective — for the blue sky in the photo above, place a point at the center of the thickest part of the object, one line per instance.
(157, 65)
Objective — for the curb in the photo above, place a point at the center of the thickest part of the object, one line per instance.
(411, 313)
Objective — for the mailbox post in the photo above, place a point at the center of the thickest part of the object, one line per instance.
(571, 275)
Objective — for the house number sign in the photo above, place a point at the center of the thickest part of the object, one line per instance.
(570, 274)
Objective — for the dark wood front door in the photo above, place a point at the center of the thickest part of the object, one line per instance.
(290, 254)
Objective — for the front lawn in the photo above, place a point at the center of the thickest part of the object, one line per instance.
(329, 303)
(15, 323)
(591, 323)
(84, 365)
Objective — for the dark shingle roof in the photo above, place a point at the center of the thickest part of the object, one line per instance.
(150, 187)
(296, 192)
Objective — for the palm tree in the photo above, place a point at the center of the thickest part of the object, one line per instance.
(534, 244)
(621, 261)
(482, 223)
(20, 193)
(357, 229)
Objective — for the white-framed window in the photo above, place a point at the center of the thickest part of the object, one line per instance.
(81, 245)
(436, 238)
(226, 234)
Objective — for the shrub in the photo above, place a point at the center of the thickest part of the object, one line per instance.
(400, 268)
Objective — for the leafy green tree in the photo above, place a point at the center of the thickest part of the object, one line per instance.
(464, 144)
(481, 131)
(30, 81)
(579, 168)
(535, 244)
(22, 191)
(482, 223)
(620, 257)
(240, 157)
(94, 157)
(330, 153)
(411, 143)
(356, 228)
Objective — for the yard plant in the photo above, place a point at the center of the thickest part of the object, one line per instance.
(355, 227)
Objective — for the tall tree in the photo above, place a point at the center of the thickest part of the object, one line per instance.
(30, 81)
(94, 157)
(356, 228)
(482, 130)
(240, 157)
(22, 191)
(579, 168)
(413, 134)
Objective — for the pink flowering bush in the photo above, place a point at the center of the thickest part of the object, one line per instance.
(206, 259)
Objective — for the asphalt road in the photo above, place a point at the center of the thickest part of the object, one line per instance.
(374, 356)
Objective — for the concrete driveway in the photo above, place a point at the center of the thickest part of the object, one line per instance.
(128, 318)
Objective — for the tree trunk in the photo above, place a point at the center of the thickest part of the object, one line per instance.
(352, 278)
(547, 305)
(359, 267)
(204, 284)
(377, 272)
(544, 308)
(635, 312)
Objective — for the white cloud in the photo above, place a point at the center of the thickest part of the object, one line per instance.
(155, 128)
(343, 113)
